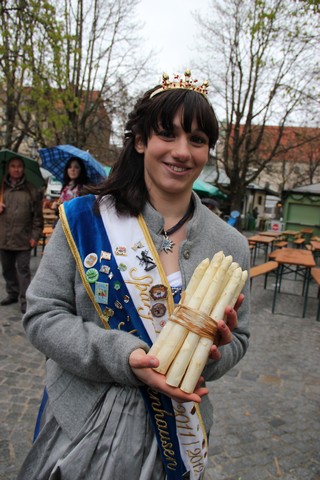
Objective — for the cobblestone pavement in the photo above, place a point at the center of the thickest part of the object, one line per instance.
(266, 408)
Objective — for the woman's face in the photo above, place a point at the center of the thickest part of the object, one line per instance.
(74, 170)
(173, 159)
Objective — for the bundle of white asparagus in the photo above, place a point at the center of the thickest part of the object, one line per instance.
(183, 345)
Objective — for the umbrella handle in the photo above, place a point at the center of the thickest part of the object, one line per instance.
(3, 166)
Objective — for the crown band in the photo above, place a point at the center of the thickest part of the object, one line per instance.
(178, 83)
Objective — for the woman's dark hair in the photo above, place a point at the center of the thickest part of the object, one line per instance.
(126, 180)
(83, 177)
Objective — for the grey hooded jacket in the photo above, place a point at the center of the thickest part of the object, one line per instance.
(84, 359)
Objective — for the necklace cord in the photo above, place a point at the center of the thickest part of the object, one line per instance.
(181, 222)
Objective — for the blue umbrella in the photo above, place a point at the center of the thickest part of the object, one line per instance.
(54, 159)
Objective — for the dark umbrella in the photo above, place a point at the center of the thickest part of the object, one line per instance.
(212, 204)
(32, 169)
(210, 201)
(55, 159)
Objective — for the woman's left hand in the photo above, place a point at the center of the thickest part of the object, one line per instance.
(142, 366)
(225, 328)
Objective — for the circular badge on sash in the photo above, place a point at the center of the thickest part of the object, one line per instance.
(92, 275)
(90, 260)
(158, 310)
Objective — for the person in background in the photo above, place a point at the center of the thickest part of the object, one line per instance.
(212, 204)
(74, 179)
(117, 262)
(21, 225)
(255, 214)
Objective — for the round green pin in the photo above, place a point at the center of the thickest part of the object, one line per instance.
(92, 275)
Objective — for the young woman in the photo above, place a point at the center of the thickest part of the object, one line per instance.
(74, 178)
(93, 306)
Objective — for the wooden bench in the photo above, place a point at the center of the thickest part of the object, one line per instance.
(309, 247)
(315, 273)
(252, 251)
(281, 244)
(307, 233)
(272, 255)
(49, 217)
(299, 242)
(263, 269)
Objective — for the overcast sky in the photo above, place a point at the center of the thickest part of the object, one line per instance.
(170, 29)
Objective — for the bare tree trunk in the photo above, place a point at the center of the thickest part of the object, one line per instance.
(261, 65)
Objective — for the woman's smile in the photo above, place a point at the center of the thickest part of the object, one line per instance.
(176, 168)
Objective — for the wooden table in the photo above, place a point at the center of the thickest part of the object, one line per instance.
(291, 235)
(290, 232)
(261, 240)
(315, 273)
(315, 244)
(287, 258)
(47, 230)
(49, 216)
(271, 233)
(46, 234)
(316, 248)
(308, 231)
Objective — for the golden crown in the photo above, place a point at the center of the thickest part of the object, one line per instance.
(178, 82)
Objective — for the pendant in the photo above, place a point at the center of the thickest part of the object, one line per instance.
(167, 244)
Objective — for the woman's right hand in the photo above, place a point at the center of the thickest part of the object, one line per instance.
(142, 366)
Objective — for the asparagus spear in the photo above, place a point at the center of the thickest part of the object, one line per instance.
(203, 301)
(201, 353)
(166, 346)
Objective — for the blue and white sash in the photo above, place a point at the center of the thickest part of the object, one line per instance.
(123, 276)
